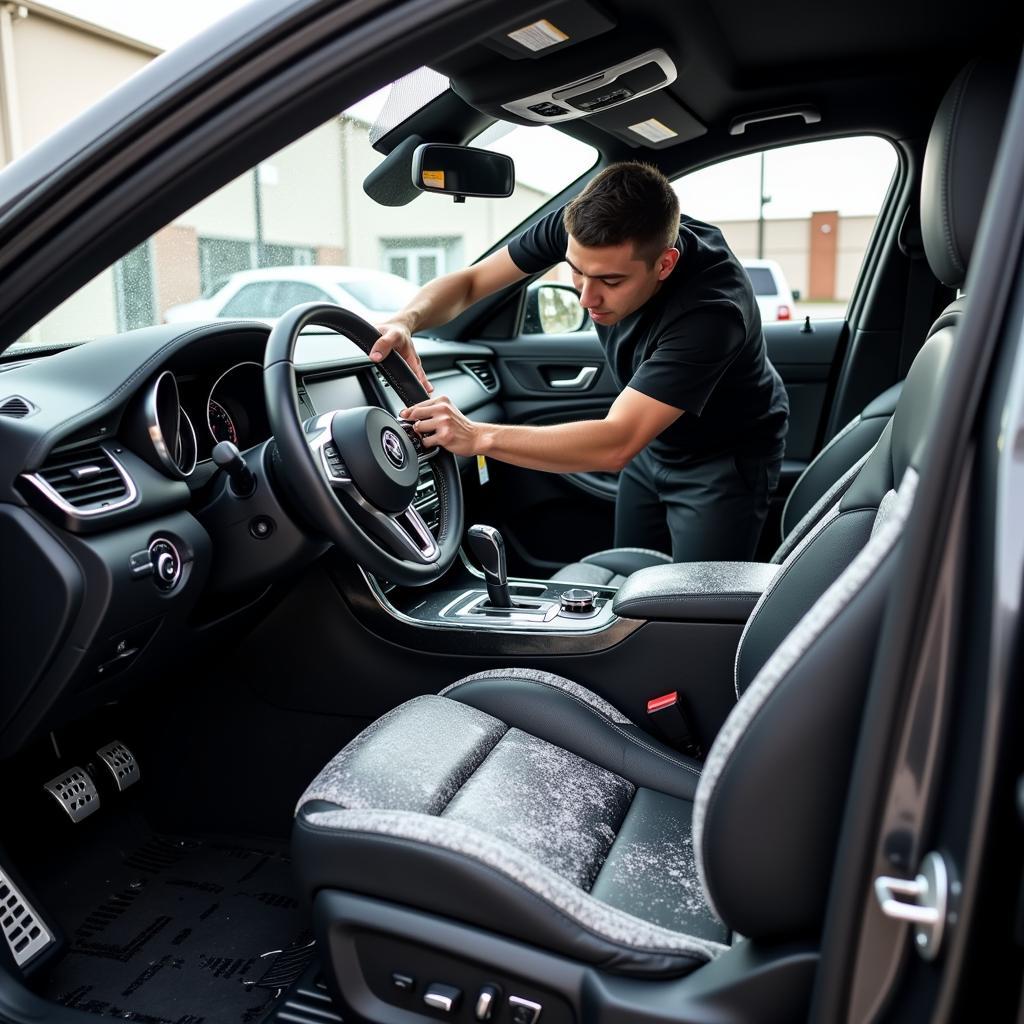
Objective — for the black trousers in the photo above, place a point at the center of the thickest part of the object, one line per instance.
(704, 509)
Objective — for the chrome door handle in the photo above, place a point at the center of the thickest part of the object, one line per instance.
(582, 380)
(923, 901)
(888, 890)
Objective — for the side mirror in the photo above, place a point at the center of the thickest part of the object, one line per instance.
(554, 309)
(796, 294)
(462, 171)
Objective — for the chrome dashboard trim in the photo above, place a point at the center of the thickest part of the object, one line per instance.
(37, 481)
(156, 431)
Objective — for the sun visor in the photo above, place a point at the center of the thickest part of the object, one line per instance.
(390, 182)
(655, 121)
(557, 27)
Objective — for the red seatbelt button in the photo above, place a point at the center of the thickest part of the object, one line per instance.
(659, 703)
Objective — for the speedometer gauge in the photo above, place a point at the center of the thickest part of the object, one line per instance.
(221, 425)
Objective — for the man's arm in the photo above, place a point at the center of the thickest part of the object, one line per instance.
(633, 421)
(442, 300)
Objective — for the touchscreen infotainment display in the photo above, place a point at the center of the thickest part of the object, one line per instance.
(338, 393)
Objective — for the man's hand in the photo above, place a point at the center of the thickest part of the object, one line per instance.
(439, 422)
(396, 337)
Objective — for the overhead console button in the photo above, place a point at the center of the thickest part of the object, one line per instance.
(548, 109)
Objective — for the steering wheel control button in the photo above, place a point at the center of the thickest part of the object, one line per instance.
(167, 563)
(261, 527)
(336, 469)
(523, 1011)
(486, 1002)
(139, 563)
(422, 451)
(403, 982)
(578, 601)
(445, 998)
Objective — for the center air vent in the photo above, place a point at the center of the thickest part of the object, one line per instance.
(484, 373)
(16, 406)
(85, 481)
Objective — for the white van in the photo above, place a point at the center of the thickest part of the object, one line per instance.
(771, 289)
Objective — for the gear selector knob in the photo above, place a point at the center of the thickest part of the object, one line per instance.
(487, 545)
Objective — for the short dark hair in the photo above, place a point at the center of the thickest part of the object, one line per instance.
(627, 202)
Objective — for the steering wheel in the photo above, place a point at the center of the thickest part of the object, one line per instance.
(353, 472)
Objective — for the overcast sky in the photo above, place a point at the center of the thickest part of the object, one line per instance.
(846, 175)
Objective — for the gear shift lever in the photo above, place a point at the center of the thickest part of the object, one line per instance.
(489, 549)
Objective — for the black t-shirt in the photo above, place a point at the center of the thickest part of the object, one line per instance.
(696, 344)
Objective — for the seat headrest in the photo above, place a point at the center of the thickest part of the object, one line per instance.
(958, 164)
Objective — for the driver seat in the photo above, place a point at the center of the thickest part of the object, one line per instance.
(518, 843)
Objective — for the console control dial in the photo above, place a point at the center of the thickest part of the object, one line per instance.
(578, 601)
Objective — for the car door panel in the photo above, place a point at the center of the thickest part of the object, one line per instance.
(554, 518)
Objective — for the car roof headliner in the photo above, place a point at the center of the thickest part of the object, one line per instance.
(866, 66)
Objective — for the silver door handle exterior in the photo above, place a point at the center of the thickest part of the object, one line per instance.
(582, 380)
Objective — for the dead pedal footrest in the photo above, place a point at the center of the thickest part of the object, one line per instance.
(23, 929)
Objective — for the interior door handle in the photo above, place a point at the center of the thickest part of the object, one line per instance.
(580, 382)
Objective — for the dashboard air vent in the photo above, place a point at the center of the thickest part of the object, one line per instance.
(86, 481)
(484, 372)
(16, 407)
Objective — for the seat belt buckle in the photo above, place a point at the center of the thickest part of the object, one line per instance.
(668, 715)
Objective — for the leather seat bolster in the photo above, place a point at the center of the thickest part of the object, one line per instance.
(568, 721)
(451, 869)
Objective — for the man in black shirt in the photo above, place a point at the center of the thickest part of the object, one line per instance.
(699, 426)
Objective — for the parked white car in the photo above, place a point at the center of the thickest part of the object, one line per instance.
(774, 298)
(267, 293)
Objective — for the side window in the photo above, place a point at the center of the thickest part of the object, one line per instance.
(798, 217)
(256, 300)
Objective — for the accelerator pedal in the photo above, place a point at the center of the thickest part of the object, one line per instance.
(121, 763)
(76, 792)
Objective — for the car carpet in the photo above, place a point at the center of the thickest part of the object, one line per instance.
(172, 930)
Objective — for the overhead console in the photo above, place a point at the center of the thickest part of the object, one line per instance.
(608, 75)
(611, 87)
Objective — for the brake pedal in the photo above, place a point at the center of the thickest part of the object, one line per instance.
(76, 792)
(121, 763)
(23, 928)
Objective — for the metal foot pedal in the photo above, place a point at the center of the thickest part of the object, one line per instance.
(122, 764)
(23, 929)
(75, 791)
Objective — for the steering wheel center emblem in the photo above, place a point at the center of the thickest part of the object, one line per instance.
(393, 448)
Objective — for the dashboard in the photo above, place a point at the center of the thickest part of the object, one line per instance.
(129, 549)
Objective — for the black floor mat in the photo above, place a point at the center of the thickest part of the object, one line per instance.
(176, 930)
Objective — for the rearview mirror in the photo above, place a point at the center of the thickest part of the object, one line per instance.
(462, 171)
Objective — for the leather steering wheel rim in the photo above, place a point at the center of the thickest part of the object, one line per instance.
(303, 475)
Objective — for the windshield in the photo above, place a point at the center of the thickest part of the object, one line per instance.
(299, 227)
(385, 293)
